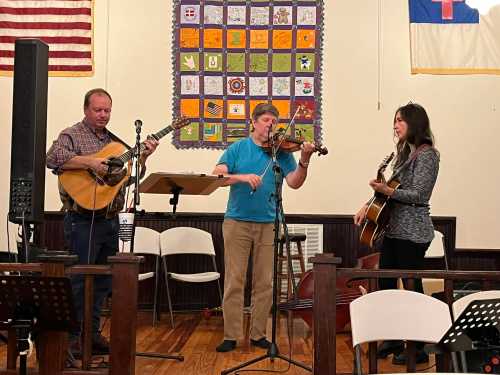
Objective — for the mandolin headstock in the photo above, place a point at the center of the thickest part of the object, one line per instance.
(180, 122)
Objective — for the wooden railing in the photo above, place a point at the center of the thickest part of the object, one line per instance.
(324, 302)
(52, 345)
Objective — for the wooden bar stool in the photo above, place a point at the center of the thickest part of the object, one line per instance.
(282, 265)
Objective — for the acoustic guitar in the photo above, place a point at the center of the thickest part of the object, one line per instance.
(94, 192)
(378, 213)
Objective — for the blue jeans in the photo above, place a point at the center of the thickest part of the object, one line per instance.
(104, 243)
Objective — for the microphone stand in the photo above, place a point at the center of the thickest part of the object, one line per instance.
(137, 155)
(273, 351)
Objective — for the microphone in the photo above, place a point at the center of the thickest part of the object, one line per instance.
(138, 123)
(270, 135)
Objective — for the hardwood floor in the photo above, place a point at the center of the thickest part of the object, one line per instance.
(196, 338)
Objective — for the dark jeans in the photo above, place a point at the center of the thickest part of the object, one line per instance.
(104, 243)
(402, 254)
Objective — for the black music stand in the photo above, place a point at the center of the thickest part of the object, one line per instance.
(31, 304)
(477, 328)
(181, 183)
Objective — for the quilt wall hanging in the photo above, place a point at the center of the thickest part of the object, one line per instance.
(230, 55)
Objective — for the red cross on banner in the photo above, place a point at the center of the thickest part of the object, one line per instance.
(446, 8)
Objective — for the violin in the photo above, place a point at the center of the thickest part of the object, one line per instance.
(287, 143)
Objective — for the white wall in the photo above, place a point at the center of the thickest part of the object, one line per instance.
(133, 61)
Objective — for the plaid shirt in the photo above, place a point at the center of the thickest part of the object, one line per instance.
(81, 139)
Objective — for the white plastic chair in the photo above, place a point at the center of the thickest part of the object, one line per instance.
(436, 250)
(397, 314)
(147, 242)
(459, 306)
(188, 240)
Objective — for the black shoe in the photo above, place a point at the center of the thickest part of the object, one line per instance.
(100, 345)
(400, 359)
(262, 343)
(226, 346)
(390, 347)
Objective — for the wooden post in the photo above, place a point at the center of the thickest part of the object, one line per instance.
(125, 270)
(52, 345)
(325, 279)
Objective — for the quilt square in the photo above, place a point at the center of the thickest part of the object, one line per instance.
(282, 39)
(212, 38)
(213, 62)
(212, 14)
(259, 39)
(304, 86)
(189, 38)
(190, 85)
(236, 131)
(236, 15)
(236, 109)
(282, 15)
(305, 62)
(305, 132)
(258, 62)
(190, 14)
(236, 38)
(236, 62)
(213, 108)
(308, 109)
(213, 85)
(283, 107)
(190, 133)
(306, 16)
(236, 86)
(190, 108)
(259, 16)
(306, 38)
(258, 86)
(212, 132)
(281, 86)
(282, 62)
(189, 62)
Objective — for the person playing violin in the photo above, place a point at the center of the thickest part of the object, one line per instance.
(410, 229)
(248, 223)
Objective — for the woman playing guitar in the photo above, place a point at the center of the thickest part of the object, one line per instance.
(409, 231)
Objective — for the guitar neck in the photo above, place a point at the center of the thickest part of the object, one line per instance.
(159, 135)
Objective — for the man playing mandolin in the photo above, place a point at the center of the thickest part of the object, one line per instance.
(91, 232)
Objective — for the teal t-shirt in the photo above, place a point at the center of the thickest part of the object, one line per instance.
(245, 157)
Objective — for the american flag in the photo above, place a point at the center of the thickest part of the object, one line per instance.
(65, 25)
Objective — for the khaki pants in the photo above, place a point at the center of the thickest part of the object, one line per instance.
(240, 238)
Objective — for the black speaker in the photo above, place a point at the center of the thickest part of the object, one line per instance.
(29, 128)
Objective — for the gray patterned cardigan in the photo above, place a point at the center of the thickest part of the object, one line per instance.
(410, 214)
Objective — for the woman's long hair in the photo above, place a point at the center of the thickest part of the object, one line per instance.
(418, 133)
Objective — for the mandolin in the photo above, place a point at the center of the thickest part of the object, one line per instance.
(378, 212)
(94, 192)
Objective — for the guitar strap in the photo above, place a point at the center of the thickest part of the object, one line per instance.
(117, 139)
(412, 157)
(405, 165)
